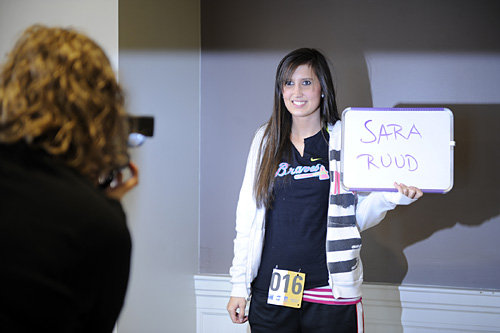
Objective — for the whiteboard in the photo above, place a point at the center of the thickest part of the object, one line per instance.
(410, 146)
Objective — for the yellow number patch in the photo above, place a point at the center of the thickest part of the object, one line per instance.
(286, 288)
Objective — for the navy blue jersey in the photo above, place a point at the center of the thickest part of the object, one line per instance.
(296, 224)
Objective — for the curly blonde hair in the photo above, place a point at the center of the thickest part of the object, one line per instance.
(59, 93)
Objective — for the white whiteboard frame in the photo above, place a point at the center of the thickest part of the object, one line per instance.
(356, 187)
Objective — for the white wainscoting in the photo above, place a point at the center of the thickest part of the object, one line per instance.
(388, 308)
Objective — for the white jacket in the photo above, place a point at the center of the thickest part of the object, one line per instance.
(250, 226)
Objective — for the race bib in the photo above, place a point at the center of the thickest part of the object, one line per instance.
(286, 288)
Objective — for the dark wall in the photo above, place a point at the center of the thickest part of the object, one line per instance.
(383, 54)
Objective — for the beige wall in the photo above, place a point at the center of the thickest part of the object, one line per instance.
(96, 18)
(159, 68)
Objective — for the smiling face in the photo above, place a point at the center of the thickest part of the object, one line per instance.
(302, 93)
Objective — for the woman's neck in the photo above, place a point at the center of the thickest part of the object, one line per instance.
(304, 128)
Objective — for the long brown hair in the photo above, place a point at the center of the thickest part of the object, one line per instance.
(276, 139)
(59, 93)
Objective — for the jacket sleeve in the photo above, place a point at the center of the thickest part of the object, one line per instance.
(373, 206)
(245, 214)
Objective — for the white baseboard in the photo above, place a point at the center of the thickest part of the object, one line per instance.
(387, 308)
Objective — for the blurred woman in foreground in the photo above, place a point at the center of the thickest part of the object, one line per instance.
(64, 243)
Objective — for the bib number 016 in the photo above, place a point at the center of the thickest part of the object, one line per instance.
(297, 283)
(286, 288)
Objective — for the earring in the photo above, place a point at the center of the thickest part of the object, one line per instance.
(322, 95)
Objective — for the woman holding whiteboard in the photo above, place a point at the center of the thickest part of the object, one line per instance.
(297, 247)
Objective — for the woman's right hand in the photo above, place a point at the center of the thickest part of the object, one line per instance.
(236, 308)
(123, 187)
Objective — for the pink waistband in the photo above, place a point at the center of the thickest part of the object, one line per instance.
(324, 295)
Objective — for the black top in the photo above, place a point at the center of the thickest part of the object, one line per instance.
(64, 248)
(296, 225)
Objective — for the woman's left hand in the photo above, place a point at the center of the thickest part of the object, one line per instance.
(411, 192)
